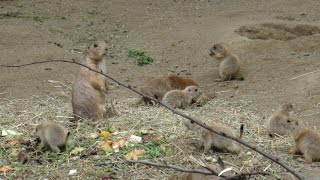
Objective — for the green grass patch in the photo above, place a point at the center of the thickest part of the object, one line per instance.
(152, 149)
(9, 15)
(142, 57)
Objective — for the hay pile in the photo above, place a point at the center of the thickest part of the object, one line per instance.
(180, 147)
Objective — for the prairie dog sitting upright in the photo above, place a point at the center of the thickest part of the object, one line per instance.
(53, 135)
(182, 98)
(307, 141)
(229, 64)
(277, 122)
(157, 86)
(211, 140)
(89, 88)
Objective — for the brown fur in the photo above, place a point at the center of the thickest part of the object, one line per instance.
(211, 140)
(52, 135)
(229, 64)
(89, 88)
(157, 86)
(307, 141)
(182, 98)
(277, 122)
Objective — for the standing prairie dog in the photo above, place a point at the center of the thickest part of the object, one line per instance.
(277, 122)
(307, 141)
(211, 140)
(53, 135)
(89, 88)
(157, 86)
(182, 98)
(229, 64)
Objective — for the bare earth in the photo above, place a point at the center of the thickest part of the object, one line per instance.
(276, 41)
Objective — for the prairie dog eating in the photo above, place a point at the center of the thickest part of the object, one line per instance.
(307, 141)
(52, 135)
(89, 88)
(157, 86)
(211, 140)
(229, 64)
(182, 98)
(277, 122)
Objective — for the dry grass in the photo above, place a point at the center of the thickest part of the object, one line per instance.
(176, 145)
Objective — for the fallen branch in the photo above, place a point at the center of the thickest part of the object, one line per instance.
(199, 171)
(170, 166)
(194, 119)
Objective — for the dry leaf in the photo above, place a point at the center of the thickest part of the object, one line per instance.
(15, 142)
(106, 148)
(105, 134)
(77, 150)
(5, 169)
(133, 155)
(135, 139)
(120, 143)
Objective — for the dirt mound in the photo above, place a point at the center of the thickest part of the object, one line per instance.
(281, 32)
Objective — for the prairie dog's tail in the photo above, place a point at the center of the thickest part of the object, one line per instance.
(241, 131)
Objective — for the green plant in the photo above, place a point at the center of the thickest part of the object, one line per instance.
(141, 56)
(9, 15)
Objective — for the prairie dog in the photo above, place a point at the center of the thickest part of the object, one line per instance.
(277, 122)
(211, 140)
(157, 86)
(229, 64)
(182, 98)
(307, 141)
(53, 135)
(89, 88)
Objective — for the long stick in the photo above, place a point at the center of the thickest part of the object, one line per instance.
(194, 119)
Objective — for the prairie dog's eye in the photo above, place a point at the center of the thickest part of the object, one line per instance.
(288, 120)
(95, 45)
(189, 90)
(214, 47)
(196, 90)
(192, 122)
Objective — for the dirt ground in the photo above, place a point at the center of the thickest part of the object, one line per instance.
(276, 41)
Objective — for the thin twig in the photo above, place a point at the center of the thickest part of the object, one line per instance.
(170, 166)
(304, 74)
(193, 119)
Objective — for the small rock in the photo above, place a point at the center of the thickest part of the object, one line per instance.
(194, 65)
(114, 63)
(188, 73)
(293, 53)
(184, 70)
(302, 14)
(236, 87)
(123, 69)
(72, 172)
(306, 54)
(176, 66)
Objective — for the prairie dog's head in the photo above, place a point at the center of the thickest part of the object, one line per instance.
(218, 50)
(97, 50)
(191, 125)
(193, 91)
(293, 125)
(286, 107)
